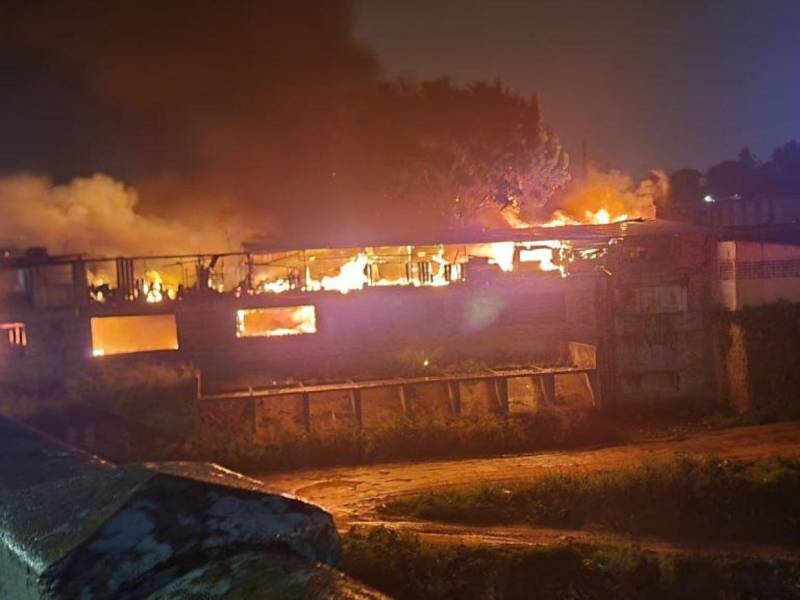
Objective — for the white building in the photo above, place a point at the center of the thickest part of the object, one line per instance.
(755, 272)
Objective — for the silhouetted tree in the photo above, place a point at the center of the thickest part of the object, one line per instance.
(685, 186)
(462, 153)
(747, 177)
(781, 174)
(734, 178)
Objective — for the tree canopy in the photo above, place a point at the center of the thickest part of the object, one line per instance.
(459, 155)
(744, 177)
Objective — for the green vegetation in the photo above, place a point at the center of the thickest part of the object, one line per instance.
(770, 339)
(157, 418)
(399, 564)
(684, 497)
(154, 394)
(408, 440)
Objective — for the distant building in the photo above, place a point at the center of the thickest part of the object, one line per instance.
(758, 267)
(757, 211)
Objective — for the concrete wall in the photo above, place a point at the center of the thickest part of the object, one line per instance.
(386, 331)
(58, 344)
(493, 320)
(278, 418)
(657, 305)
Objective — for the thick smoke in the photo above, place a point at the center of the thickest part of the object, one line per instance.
(613, 192)
(204, 106)
(265, 113)
(95, 215)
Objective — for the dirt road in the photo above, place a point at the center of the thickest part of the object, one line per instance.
(353, 494)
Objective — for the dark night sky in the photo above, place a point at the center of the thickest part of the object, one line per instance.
(647, 84)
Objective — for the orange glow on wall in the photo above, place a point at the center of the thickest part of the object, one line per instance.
(126, 335)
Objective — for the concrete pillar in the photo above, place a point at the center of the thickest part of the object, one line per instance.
(306, 411)
(355, 401)
(253, 413)
(593, 383)
(501, 394)
(454, 395)
(402, 390)
(548, 387)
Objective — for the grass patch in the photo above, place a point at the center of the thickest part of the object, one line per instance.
(409, 440)
(400, 564)
(767, 351)
(154, 394)
(686, 497)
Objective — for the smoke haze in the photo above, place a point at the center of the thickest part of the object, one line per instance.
(202, 106)
(247, 120)
(616, 193)
(96, 215)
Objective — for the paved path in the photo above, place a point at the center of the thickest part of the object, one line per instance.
(353, 494)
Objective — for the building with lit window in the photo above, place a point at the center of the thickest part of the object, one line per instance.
(635, 292)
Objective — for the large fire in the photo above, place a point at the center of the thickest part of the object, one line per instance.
(602, 199)
(600, 217)
(351, 276)
(423, 268)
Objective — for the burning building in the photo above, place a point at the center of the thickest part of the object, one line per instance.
(634, 293)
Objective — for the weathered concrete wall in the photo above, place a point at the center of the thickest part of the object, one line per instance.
(58, 344)
(525, 396)
(382, 407)
(494, 320)
(479, 399)
(73, 526)
(278, 418)
(384, 331)
(660, 340)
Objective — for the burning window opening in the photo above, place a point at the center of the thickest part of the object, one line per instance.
(14, 334)
(131, 334)
(548, 255)
(599, 217)
(278, 321)
(156, 280)
(419, 267)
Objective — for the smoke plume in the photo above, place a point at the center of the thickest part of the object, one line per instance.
(202, 106)
(264, 113)
(95, 215)
(613, 192)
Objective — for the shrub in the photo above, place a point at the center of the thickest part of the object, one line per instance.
(407, 440)
(155, 394)
(405, 566)
(686, 497)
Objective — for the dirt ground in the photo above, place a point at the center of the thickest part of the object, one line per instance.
(354, 494)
